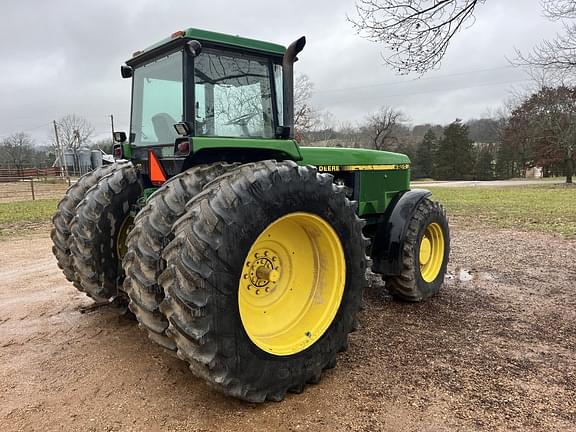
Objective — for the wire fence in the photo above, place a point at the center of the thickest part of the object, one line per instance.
(32, 187)
(13, 174)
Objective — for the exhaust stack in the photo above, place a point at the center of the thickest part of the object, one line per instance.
(288, 81)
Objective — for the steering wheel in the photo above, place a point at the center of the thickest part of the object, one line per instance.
(242, 120)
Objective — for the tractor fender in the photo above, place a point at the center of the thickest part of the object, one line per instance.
(388, 242)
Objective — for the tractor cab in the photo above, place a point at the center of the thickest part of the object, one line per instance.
(198, 85)
(200, 97)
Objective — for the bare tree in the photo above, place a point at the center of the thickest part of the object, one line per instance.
(554, 60)
(18, 148)
(305, 115)
(418, 32)
(73, 131)
(499, 119)
(382, 127)
(559, 9)
(105, 144)
(324, 126)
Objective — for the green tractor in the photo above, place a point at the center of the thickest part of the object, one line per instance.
(237, 249)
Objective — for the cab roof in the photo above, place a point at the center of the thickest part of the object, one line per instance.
(218, 39)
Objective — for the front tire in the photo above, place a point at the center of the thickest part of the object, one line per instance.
(283, 209)
(425, 254)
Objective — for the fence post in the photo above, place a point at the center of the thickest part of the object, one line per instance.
(32, 187)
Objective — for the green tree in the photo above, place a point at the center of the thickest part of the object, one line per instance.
(454, 158)
(423, 159)
(507, 165)
(484, 169)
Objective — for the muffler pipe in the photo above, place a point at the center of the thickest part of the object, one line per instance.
(288, 81)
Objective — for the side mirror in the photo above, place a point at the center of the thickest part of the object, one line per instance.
(120, 137)
(194, 47)
(126, 71)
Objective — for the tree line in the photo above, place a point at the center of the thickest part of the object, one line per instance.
(20, 150)
(537, 130)
(436, 151)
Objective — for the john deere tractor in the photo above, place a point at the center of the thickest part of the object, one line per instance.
(236, 248)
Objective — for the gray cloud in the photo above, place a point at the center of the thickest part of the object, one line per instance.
(62, 57)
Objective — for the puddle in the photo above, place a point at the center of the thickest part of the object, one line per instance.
(464, 275)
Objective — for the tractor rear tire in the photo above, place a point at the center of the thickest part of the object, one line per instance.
(103, 219)
(152, 231)
(64, 215)
(220, 279)
(425, 254)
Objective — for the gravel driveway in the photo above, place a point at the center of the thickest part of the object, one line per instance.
(496, 350)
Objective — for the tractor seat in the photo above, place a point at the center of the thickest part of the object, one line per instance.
(164, 128)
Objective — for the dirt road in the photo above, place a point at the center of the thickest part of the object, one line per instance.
(496, 350)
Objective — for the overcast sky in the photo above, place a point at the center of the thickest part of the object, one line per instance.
(59, 57)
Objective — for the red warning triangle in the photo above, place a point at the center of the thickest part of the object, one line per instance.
(157, 175)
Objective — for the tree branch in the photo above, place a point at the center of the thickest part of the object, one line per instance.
(417, 32)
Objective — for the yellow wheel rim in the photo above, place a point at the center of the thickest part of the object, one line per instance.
(292, 283)
(431, 253)
(122, 236)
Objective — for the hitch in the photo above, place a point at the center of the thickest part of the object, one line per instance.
(118, 303)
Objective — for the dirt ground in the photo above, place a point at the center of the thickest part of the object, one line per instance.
(496, 350)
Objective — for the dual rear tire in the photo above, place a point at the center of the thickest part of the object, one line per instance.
(88, 226)
(264, 278)
(152, 231)
(253, 274)
(220, 255)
